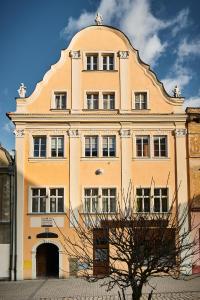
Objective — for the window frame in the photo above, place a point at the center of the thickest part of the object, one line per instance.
(91, 144)
(99, 200)
(38, 197)
(39, 150)
(91, 63)
(61, 94)
(159, 137)
(57, 149)
(142, 137)
(134, 100)
(108, 100)
(47, 199)
(108, 65)
(108, 137)
(57, 197)
(92, 100)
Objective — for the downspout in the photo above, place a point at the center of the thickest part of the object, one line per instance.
(11, 225)
(15, 218)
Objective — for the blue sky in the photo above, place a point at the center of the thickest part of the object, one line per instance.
(33, 32)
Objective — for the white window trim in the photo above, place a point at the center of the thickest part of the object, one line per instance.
(100, 55)
(68, 100)
(152, 197)
(48, 199)
(64, 142)
(151, 144)
(99, 196)
(100, 93)
(100, 146)
(48, 145)
(133, 99)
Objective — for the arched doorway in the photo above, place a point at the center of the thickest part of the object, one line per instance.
(47, 260)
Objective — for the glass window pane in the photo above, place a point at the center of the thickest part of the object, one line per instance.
(156, 204)
(165, 204)
(53, 204)
(60, 205)
(34, 204)
(146, 205)
(42, 192)
(43, 204)
(60, 192)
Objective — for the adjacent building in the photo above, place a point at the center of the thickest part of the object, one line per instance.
(193, 127)
(98, 120)
(7, 215)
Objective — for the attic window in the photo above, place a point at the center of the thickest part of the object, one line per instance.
(141, 100)
(60, 100)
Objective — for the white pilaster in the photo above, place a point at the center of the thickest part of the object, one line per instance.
(76, 71)
(123, 74)
(19, 135)
(74, 165)
(126, 159)
(182, 188)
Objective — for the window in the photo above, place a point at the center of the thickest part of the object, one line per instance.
(160, 146)
(60, 100)
(109, 148)
(160, 200)
(108, 62)
(92, 62)
(98, 200)
(109, 200)
(57, 200)
(143, 199)
(91, 146)
(91, 200)
(140, 100)
(39, 146)
(109, 101)
(45, 200)
(39, 200)
(142, 146)
(57, 146)
(93, 101)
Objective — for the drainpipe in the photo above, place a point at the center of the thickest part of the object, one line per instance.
(15, 217)
(11, 225)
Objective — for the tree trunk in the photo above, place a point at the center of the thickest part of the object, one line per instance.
(136, 293)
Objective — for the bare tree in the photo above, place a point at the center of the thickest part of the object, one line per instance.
(129, 246)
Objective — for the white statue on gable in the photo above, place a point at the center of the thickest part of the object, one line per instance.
(177, 92)
(99, 19)
(22, 91)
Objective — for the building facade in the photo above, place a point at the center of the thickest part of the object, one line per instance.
(98, 120)
(7, 215)
(193, 128)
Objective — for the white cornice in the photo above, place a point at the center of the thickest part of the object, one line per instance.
(96, 118)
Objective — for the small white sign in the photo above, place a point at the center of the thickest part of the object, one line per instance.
(46, 222)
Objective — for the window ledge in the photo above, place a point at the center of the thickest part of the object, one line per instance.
(47, 213)
(142, 109)
(100, 70)
(105, 111)
(46, 159)
(98, 213)
(99, 158)
(151, 158)
(66, 110)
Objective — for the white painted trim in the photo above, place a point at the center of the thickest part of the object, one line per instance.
(34, 252)
(148, 100)
(68, 100)
(100, 55)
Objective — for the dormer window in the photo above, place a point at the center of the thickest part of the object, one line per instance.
(108, 62)
(92, 62)
(141, 100)
(60, 100)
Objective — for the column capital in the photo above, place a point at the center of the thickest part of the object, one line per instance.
(123, 54)
(19, 133)
(125, 133)
(73, 133)
(180, 132)
(75, 54)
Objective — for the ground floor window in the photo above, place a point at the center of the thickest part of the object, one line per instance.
(100, 200)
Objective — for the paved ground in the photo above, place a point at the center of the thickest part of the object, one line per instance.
(78, 289)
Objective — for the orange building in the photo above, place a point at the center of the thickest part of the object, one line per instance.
(98, 120)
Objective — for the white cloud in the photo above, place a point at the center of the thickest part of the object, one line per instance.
(135, 18)
(192, 102)
(180, 75)
(188, 48)
(8, 127)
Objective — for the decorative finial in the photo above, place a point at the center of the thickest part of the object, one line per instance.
(99, 19)
(177, 92)
(22, 91)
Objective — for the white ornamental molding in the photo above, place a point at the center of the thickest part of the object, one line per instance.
(19, 133)
(125, 133)
(180, 132)
(123, 54)
(73, 133)
(75, 54)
